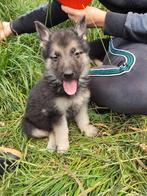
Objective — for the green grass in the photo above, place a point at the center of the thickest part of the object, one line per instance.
(110, 165)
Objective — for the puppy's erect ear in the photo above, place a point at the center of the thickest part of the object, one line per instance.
(81, 27)
(43, 33)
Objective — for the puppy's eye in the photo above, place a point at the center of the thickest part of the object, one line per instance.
(77, 53)
(55, 57)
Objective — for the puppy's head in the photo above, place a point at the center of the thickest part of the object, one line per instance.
(66, 55)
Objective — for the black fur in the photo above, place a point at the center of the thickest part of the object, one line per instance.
(41, 97)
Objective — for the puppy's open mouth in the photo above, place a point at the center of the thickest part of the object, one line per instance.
(70, 86)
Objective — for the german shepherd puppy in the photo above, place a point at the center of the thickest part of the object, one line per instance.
(63, 90)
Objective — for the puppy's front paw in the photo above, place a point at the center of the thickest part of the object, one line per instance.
(63, 148)
(90, 131)
(51, 147)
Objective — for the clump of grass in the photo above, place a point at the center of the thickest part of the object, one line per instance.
(113, 164)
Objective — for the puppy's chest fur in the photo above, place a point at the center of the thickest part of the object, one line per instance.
(71, 106)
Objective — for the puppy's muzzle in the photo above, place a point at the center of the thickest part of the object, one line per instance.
(68, 75)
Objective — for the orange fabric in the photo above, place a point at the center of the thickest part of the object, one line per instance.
(76, 4)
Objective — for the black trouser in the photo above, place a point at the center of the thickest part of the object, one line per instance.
(121, 84)
(123, 87)
(50, 15)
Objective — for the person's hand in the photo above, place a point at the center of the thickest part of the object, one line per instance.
(5, 30)
(94, 16)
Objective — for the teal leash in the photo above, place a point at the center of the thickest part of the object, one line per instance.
(130, 60)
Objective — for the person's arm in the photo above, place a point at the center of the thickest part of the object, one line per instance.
(131, 26)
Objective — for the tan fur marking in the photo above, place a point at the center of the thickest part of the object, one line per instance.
(38, 133)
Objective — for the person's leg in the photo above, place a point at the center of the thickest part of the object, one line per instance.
(123, 87)
(50, 15)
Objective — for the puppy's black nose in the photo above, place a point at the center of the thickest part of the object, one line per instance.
(68, 75)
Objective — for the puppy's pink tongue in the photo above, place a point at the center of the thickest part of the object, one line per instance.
(70, 87)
